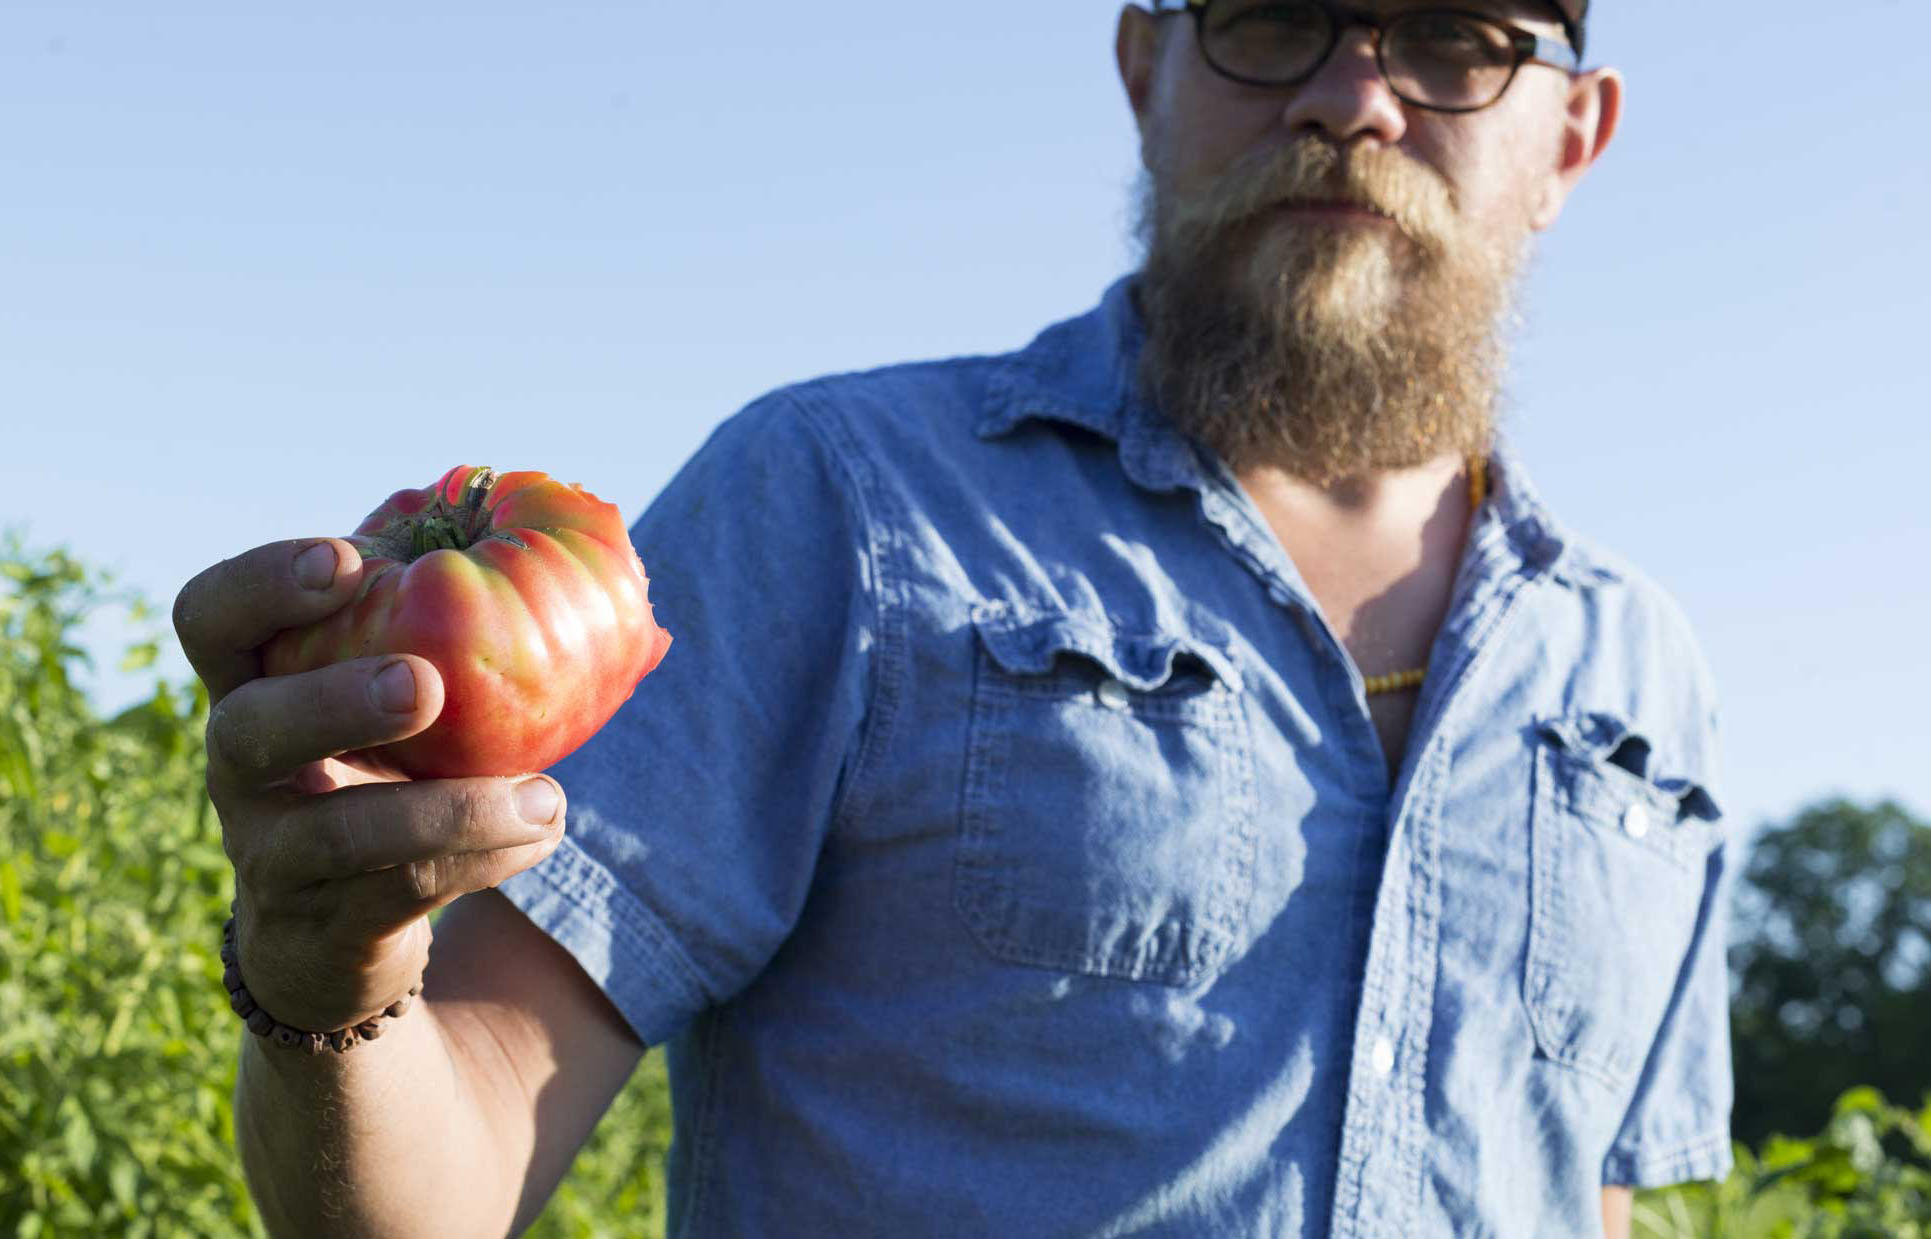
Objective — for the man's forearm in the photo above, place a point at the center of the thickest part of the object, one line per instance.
(386, 1140)
(1617, 1202)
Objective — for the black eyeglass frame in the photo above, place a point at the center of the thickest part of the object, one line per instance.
(1528, 46)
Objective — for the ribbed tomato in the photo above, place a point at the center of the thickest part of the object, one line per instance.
(523, 592)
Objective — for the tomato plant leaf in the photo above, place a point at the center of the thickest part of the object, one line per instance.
(77, 1138)
(122, 1175)
(10, 892)
(141, 657)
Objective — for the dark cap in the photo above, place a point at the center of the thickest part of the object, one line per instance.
(1573, 14)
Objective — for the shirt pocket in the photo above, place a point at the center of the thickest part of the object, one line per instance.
(1618, 853)
(1107, 823)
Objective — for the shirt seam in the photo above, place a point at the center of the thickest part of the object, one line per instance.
(882, 698)
(1703, 1156)
(1424, 972)
(704, 1153)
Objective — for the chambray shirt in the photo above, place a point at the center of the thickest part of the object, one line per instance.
(1004, 847)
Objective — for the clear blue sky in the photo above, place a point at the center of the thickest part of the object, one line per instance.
(258, 269)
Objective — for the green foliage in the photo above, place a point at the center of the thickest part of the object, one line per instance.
(1867, 1176)
(114, 1066)
(1832, 964)
(117, 1048)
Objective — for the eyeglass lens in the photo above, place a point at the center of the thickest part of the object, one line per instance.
(1435, 58)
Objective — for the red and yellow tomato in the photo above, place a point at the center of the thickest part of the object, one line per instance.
(525, 594)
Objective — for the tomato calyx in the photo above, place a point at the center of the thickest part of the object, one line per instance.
(442, 526)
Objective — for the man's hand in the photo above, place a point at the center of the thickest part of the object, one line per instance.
(336, 868)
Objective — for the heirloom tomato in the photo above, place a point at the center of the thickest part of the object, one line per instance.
(523, 592)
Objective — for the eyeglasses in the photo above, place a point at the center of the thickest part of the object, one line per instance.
(1444, 60)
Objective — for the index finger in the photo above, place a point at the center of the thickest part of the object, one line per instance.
(227, 612)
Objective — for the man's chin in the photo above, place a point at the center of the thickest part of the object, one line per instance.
(1330, 293)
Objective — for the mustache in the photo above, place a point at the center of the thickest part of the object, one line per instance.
(1314, 170)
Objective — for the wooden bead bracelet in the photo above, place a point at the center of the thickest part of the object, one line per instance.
(266, 1026)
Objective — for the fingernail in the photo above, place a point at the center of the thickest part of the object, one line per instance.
(395, 687)
(536, 800)
(315, 567)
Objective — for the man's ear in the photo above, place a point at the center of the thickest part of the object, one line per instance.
(1136, 47)
(1591, 114)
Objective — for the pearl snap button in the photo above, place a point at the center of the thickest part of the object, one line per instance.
(1113, 695)
(1382, 1056)
(1635, 821)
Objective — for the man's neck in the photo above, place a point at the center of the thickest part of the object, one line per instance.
(1379, 553)
(1395, 503)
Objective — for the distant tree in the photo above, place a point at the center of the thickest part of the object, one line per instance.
(1831, 965)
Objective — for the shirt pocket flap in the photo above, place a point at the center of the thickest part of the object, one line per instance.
(1031, 644)
(1611, 767)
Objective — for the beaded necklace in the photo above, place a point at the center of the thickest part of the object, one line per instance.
(1397, 681)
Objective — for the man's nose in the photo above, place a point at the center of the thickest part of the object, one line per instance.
(1347, 97)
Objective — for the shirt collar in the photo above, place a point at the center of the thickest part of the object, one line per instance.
(1534, 535)
(1084, 372)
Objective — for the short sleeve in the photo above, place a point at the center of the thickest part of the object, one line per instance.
(697, 814)
(1677, 1128)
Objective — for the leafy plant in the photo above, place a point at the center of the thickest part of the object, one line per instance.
(1866, 1176)
(117, 1048)
(113, 1109)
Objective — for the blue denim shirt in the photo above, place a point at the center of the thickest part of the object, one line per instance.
(1005, 848)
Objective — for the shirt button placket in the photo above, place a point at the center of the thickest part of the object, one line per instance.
(1381, 1058)
(1376, 1109)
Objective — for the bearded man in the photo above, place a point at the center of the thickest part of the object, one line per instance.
(1175, 779)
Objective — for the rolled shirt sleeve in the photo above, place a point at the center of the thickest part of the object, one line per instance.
(1677, 1127)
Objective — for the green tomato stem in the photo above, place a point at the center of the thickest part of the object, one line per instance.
(442, 526)
(475, 496)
